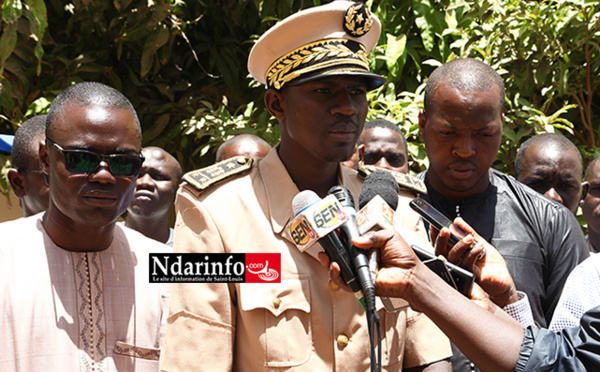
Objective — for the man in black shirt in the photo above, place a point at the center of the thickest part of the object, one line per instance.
(461, 127)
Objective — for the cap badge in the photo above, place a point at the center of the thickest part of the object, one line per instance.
(357, 20)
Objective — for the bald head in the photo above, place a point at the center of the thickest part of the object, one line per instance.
(25, 177)
(26, 146)
(87, 94)
(159, 154)
(546, 141)
(464, 74)
(551, 164)
(243, 144)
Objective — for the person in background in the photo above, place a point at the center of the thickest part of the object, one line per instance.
(591, 205)
(154, 195)
(74, 289)
(243, 145)
(26, 177)
(461, 126)
(581, 292)
(551, 164)
(302, 323)
(383, 145)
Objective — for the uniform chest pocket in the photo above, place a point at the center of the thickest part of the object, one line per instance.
(275, 329)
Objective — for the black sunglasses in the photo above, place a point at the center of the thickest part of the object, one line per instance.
(86, 162)
(393, 159)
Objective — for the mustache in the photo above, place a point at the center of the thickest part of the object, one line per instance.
(460, 163)
(344, 125)
(106, 192)
(143, 192)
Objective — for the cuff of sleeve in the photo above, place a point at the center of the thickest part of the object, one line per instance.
(526, 350)
(520, 310)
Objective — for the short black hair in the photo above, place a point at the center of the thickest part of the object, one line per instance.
(26, 143)
(178, 168)
(544, 140)
(240, 138)
(463, 74)
(589, 167)
(386, 124)
(88, 93)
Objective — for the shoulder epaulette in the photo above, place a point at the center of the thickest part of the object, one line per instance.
(201, 179)
(405, 181)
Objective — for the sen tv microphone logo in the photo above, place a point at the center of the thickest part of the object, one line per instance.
(263, 268)
(328, 215)
(301, 232)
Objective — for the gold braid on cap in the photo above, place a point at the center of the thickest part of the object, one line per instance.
(318, 56)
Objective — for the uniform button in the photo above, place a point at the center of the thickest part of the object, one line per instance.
(342, 340)
(276, 303)
(333, 286)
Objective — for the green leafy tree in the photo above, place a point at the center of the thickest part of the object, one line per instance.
(183, 64)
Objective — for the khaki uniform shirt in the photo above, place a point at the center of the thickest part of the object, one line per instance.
(299, 325)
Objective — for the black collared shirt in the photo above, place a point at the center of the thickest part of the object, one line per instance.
(540, 240)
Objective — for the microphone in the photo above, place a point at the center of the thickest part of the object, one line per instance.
(358, 256)
(316, 220)
(377, 201)
(379, 183)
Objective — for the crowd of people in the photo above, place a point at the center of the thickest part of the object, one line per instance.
(74, 275)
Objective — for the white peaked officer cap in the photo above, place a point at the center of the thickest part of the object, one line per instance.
(331, 39)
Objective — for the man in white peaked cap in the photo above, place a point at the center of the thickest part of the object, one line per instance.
(314, 64)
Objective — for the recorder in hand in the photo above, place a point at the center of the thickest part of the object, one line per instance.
(462, 280)
(437, 219)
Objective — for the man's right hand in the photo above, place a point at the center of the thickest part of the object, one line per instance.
(482, 259)
(396, 262)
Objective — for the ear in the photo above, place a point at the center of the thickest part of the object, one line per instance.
(585, 187)
(361, 154)
(273, 102)
(17, 182)
(422, 120)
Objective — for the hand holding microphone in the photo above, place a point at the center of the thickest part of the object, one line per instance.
(377, 214)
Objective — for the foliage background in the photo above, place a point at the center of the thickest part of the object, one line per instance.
(182, 63)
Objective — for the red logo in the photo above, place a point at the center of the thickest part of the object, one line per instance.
(263, 267)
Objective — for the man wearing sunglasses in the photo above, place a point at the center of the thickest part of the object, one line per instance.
(74, 288)
(383, 145)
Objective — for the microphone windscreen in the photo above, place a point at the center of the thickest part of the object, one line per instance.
(303, 199)
(379, 183)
